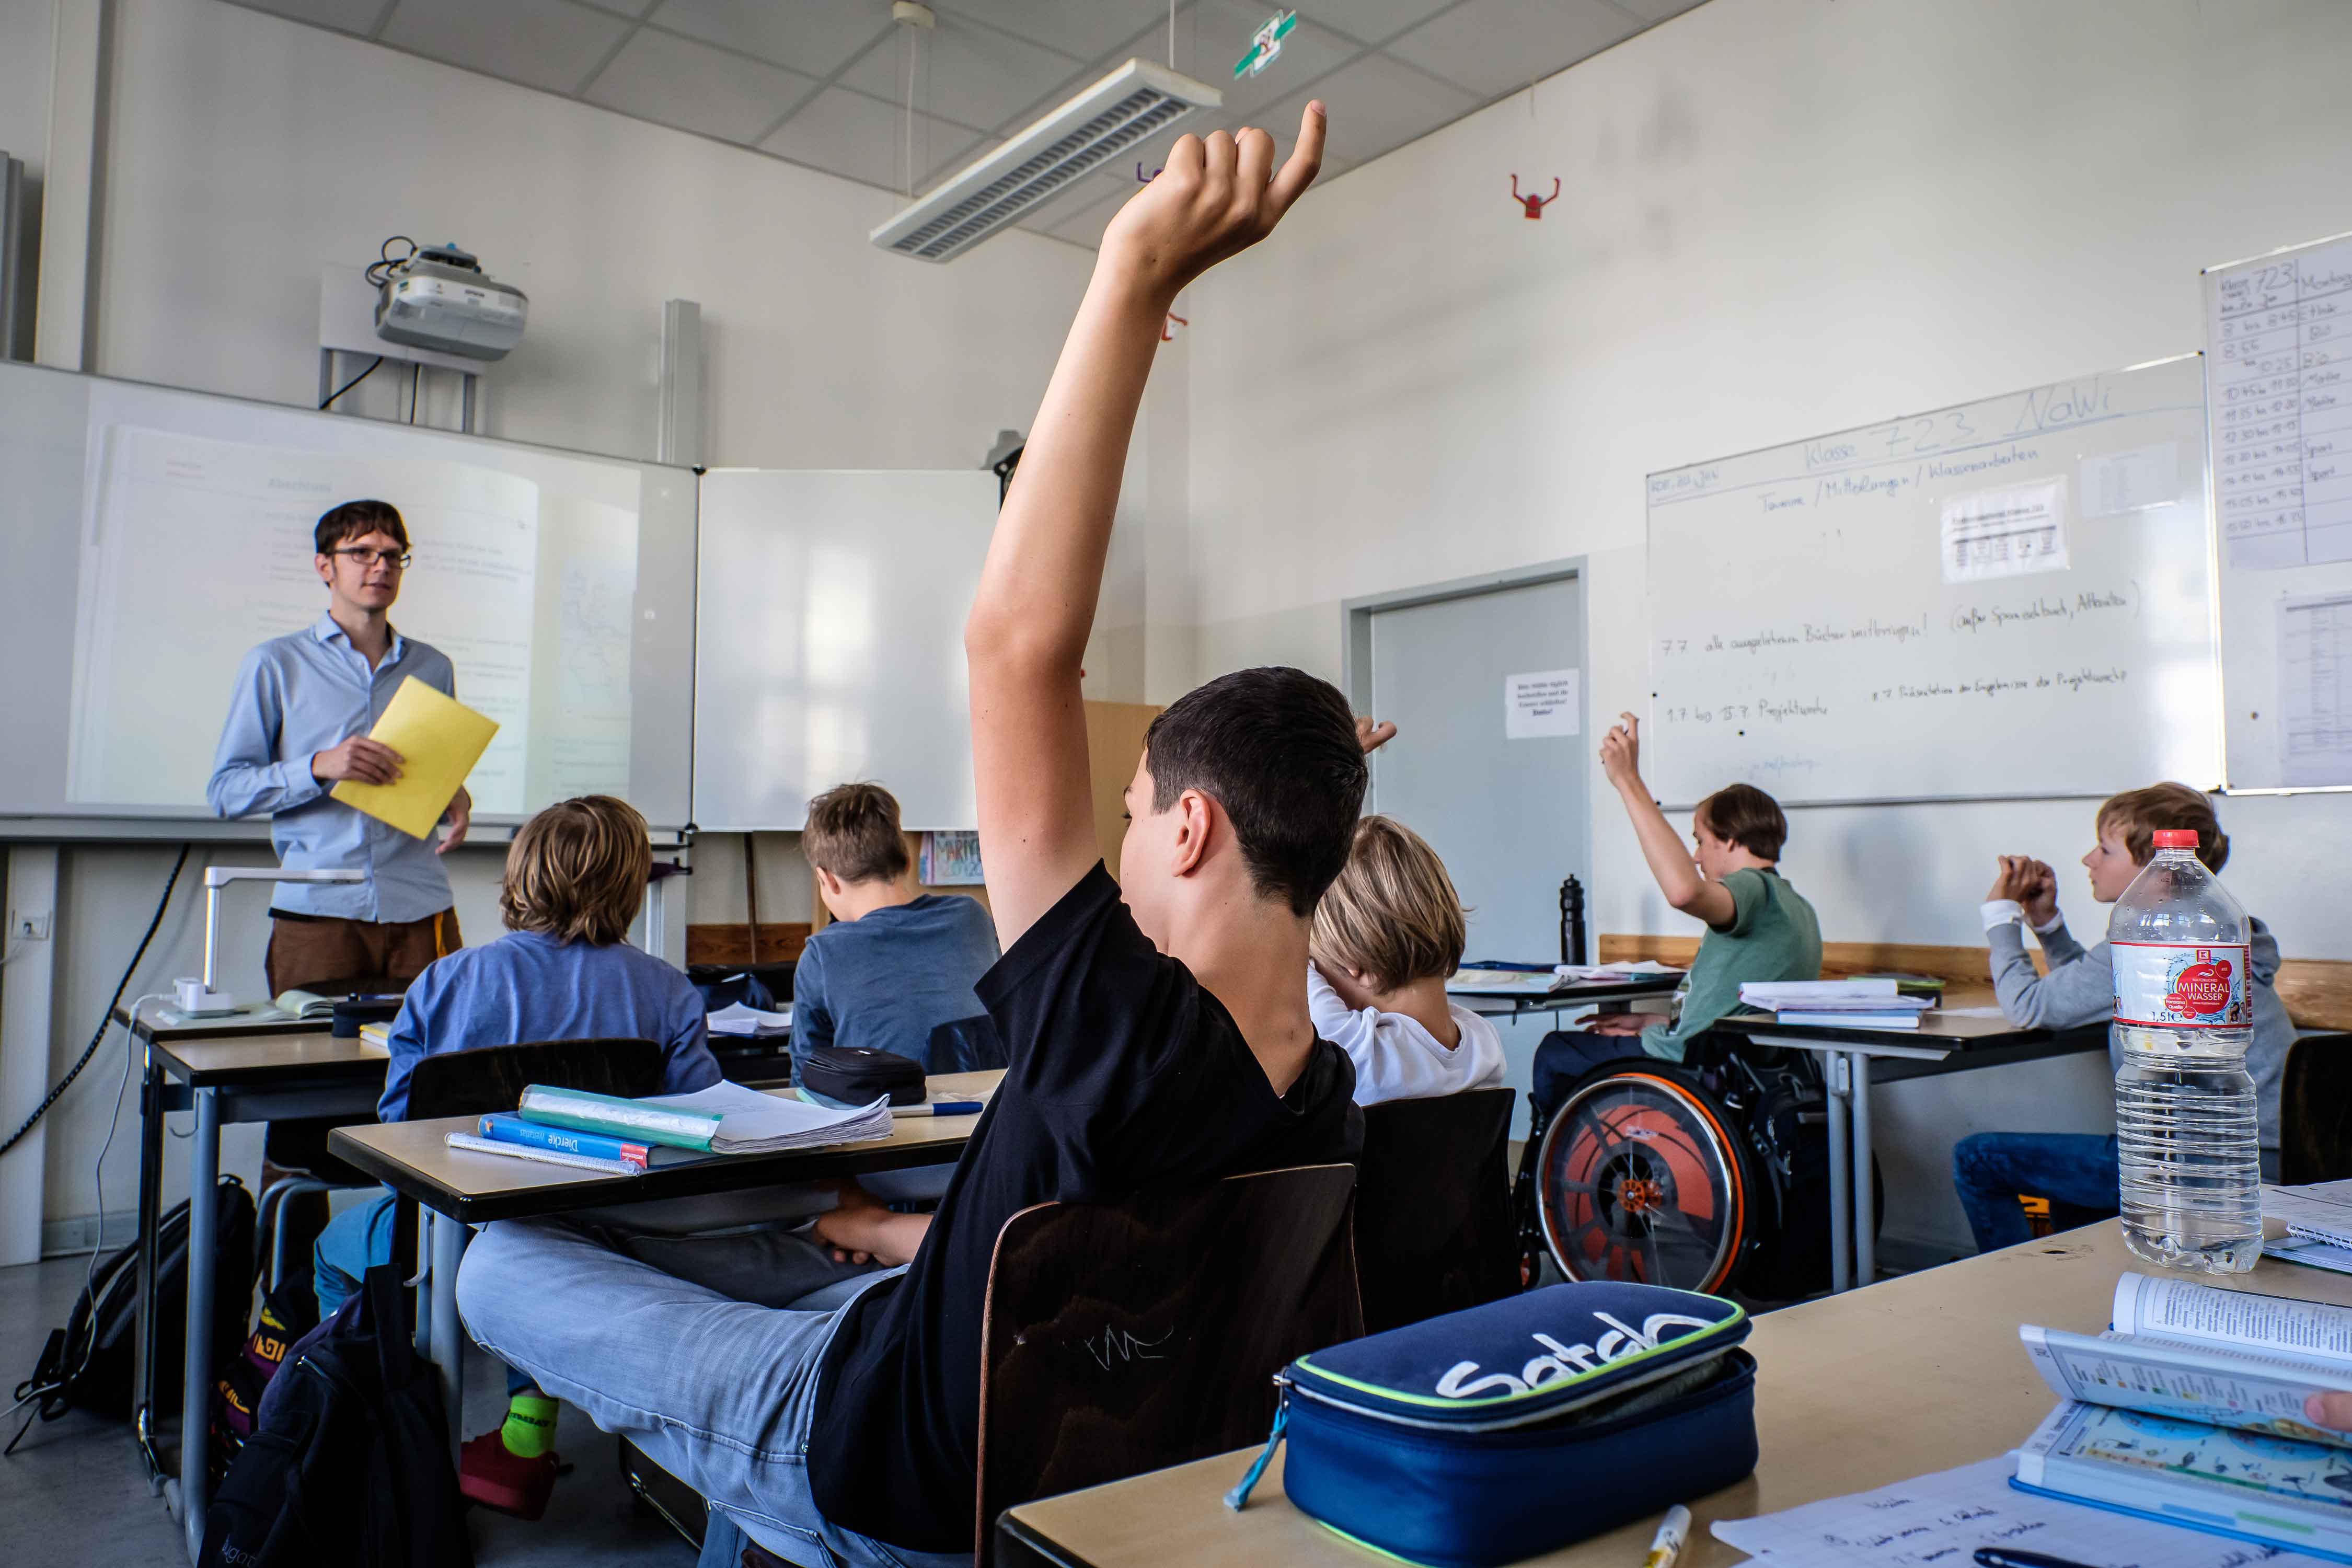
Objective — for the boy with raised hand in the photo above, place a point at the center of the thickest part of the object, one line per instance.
(1157, 1030)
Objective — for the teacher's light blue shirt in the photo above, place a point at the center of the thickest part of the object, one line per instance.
(296, 696)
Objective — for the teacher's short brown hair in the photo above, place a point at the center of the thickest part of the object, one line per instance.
(578, 870)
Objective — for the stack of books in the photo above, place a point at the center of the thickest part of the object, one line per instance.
(2190, 1409)
(628, 1137)
(1874, 1003)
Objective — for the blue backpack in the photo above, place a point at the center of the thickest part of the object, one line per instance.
(1511, 1429)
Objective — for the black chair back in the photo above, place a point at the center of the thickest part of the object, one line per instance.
(470, 1083)
(965, 1045)
(2316, 1110)
(1123, 1338)
(1433, 1224)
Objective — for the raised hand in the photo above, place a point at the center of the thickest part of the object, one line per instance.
(1620, 751)
(358, 759)
(1214, 199)
(1373, 736)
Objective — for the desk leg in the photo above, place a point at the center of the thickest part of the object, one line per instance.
(1833, 1068)
(203, 1175)
(1865, 1194)
(448, 1340)
(150, 1204)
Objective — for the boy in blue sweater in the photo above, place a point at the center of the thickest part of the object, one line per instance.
(575, 880)
(895, 963)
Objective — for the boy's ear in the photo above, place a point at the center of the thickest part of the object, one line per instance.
(828, 881)
(1196, 827)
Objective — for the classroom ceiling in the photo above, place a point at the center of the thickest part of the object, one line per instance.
(825, 83)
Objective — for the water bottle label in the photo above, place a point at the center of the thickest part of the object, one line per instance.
(2182, 986)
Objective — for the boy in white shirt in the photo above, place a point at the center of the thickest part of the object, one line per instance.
(1387, 935)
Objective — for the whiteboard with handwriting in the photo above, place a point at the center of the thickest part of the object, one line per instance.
(2006, 598)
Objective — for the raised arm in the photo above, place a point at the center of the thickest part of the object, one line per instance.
(1670, 863)
(1035, 603)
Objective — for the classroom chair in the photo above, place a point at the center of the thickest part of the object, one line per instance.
(964, 1045)
(1120, 1338)
(471, 1083)
(1434, 1229)
(2316, 1110)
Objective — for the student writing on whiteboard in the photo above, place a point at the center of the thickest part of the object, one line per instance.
(1758, 927)
(2078, 1170)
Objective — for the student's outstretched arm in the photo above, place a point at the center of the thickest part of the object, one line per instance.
(1670, 863)
(1035, 603)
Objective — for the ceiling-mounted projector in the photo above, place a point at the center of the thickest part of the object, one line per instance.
(1042, 160)
(439, 298)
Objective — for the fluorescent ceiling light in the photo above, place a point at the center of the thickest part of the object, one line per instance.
(1040, 162)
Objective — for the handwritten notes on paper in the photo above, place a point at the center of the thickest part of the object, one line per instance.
(2009, 597)
(2279, 332)
(1942, 1519)
(1545, 702)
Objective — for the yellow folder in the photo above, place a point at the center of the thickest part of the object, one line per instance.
(439, 740)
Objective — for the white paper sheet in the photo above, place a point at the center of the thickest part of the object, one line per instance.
(2315, 653)
(2005, 532)
(1543, 702)
(1942, 1520)
(2131, 482)
(737, 1019)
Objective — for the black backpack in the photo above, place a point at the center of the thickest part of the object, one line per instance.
(90, 1362)
(348, 1462)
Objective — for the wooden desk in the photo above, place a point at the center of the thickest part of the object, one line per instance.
(231, 1069)
(1945, 1041)
(1852, 1391)
(462, 1186)
(1576, 994)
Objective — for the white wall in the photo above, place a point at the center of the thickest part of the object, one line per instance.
(26, 29)
(245, 150)
(1781, 217)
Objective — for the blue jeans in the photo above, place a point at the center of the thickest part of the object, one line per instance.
(721, 1393)
(1991, 1169)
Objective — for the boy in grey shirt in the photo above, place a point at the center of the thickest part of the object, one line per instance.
(2078, 1169)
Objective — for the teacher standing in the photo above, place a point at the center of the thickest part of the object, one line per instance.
(298, 722)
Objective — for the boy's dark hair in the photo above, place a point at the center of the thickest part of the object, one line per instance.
(357, 520)
(578, 871)
(1748, 817)
(2138, 812)
(1277, 749)
(853, 832)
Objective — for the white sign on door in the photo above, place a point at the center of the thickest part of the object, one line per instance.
(1543, 702)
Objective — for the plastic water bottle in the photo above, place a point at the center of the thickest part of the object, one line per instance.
(2186, 1138)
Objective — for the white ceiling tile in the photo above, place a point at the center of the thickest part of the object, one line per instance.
(973, 76)
(1375, 105)
(861, 138)
(1087, 29)
(676, 81)
(1495, 47)
(549, 43)
(1656, 10)
(633, 9)
(1375, 20)
(344, 16)
(1310, 53)
(816, 37)
(1086, 225)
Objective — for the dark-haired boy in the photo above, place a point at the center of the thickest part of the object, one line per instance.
(896, 962)
(1758, 927)
(1157, 1027)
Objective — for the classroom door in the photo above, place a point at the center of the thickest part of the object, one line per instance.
(1506, 811)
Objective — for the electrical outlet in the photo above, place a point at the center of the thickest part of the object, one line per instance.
(28, 928)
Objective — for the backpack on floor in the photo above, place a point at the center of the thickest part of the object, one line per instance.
(349, 1460)
(285, 1315)
(89, 1364)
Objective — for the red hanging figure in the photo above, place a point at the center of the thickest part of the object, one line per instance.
(1535, 205)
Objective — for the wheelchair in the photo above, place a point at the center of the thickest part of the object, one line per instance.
(1710, 1174)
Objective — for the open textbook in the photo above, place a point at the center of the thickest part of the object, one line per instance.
(2195, 1352)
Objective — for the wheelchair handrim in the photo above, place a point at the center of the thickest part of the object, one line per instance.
(1621, 1160)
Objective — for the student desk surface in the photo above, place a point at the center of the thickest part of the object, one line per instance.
(1913, 1375)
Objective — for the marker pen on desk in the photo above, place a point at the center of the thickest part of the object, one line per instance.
(942, 1108)
(2001, 1557)
(1668, 1544)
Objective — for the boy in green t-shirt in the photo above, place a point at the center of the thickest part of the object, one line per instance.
(1758, 927)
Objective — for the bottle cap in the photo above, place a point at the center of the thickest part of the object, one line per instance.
(2176, 839)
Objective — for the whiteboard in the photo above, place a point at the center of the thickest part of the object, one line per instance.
(2004, 598)
(155, 535)
(2278, 333)
(830, 619)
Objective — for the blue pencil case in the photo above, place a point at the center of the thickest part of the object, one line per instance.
(1514, 1429)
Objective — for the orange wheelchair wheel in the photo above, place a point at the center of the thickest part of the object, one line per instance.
(1640, 1177)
